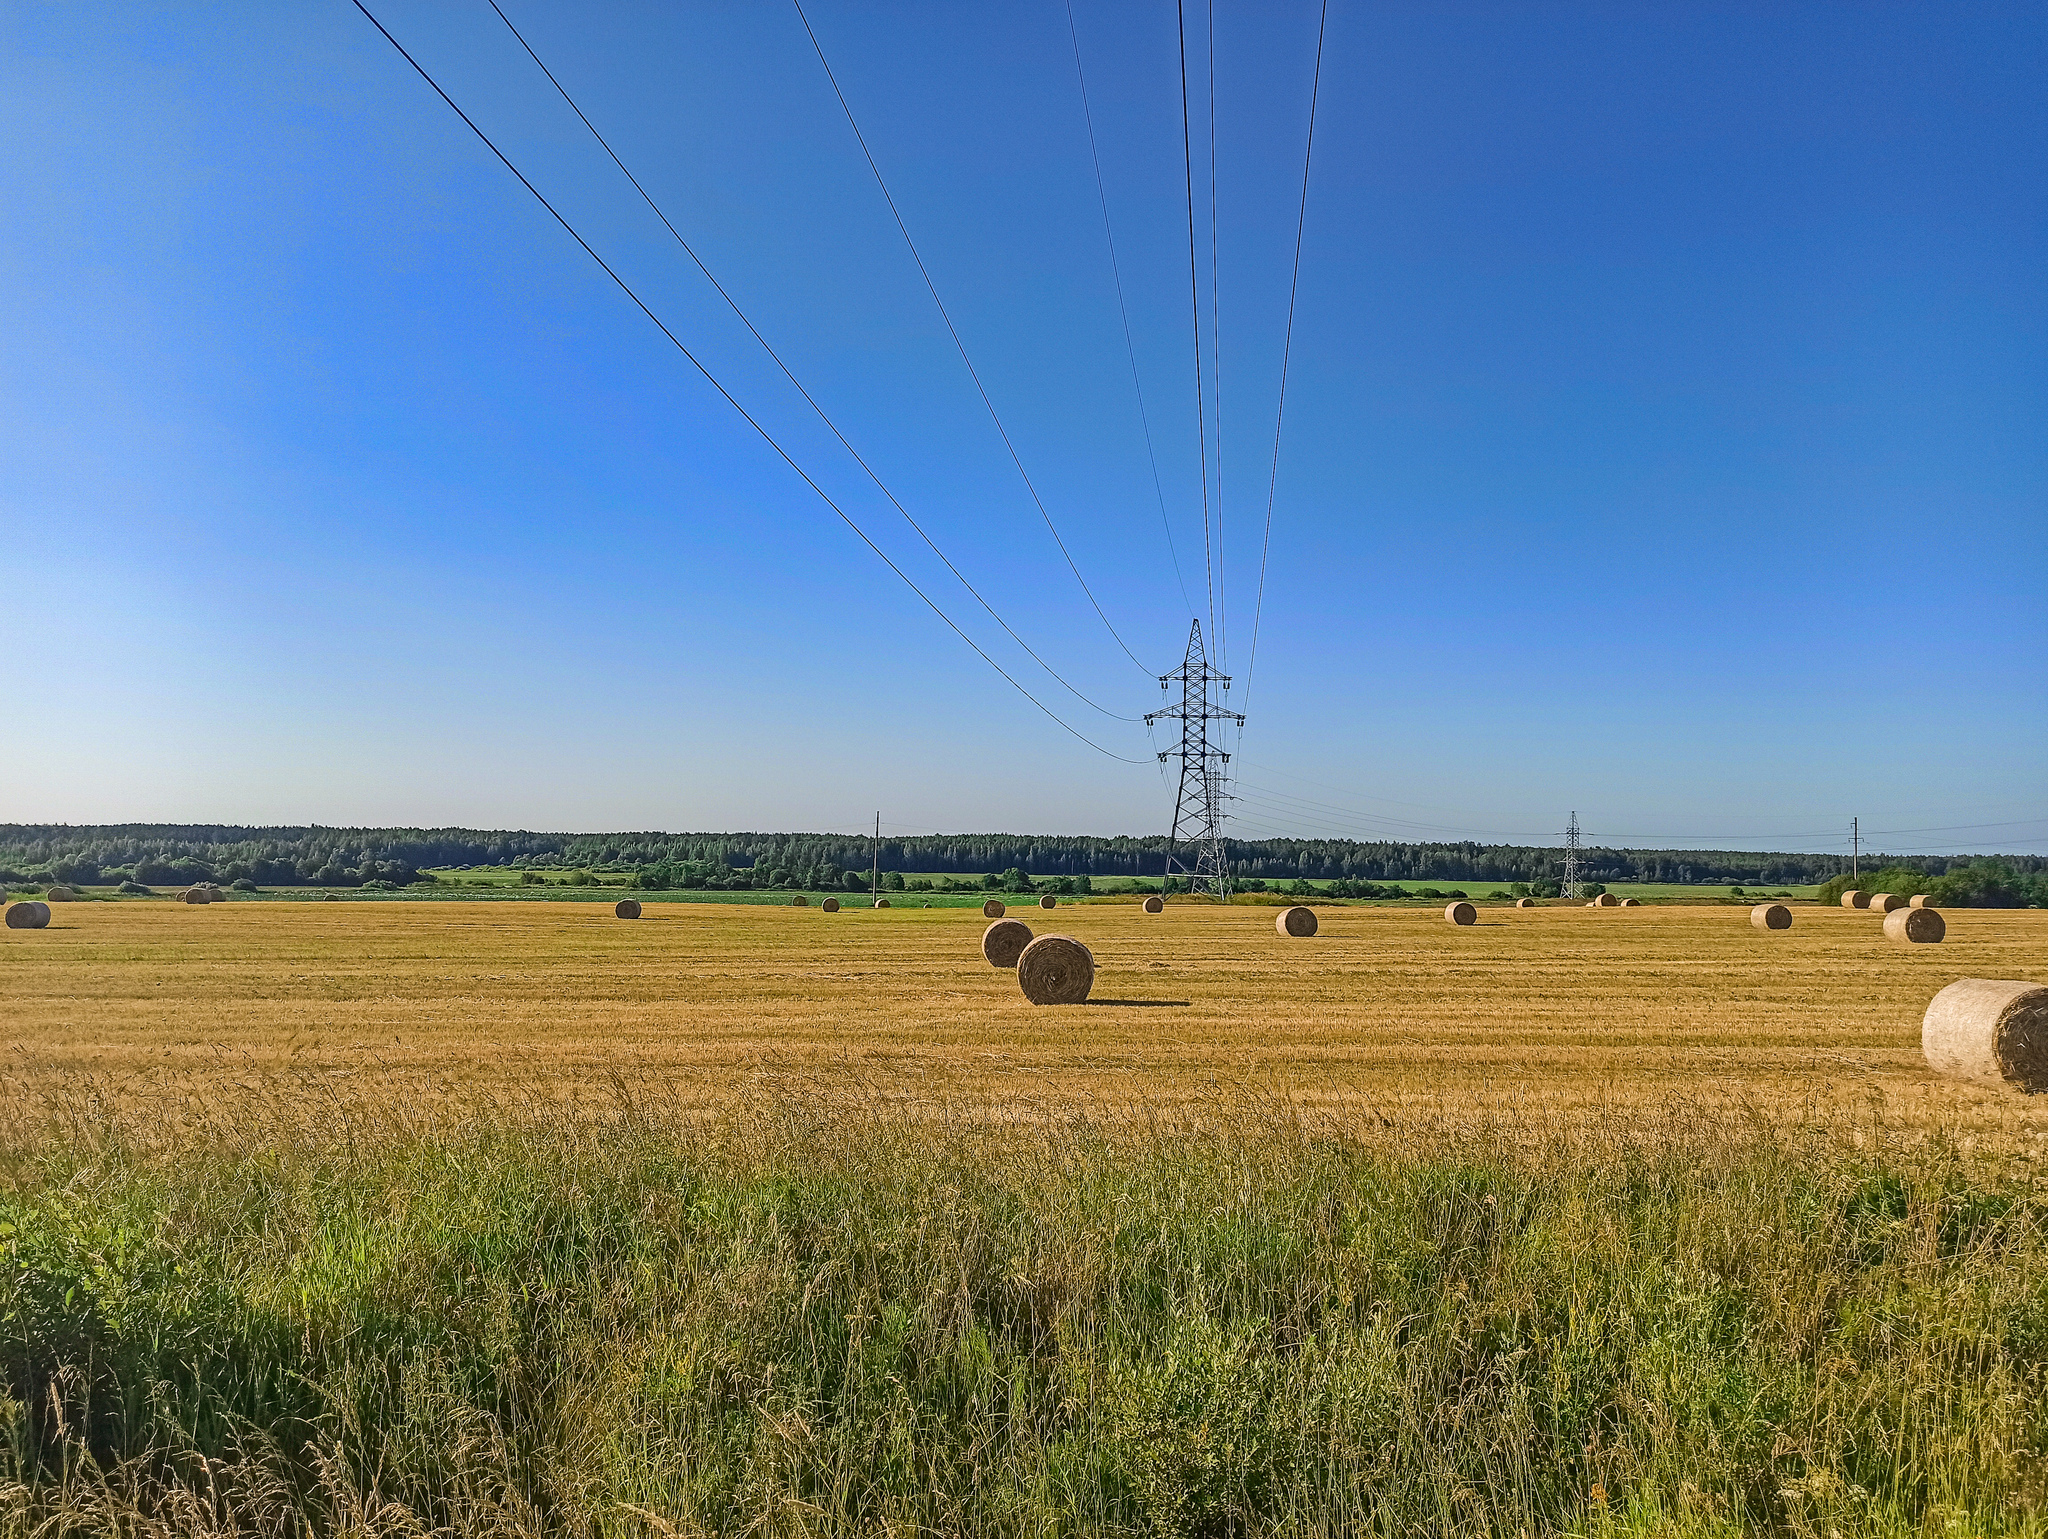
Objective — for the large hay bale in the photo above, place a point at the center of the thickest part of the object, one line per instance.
(198, 895)
(1920, 900)
(1155, 905)
(993, 909)
(627, 908)
(1885, 902)
(216, 895)
(1461, 913)
(1004, 941)
(1056, 970)
(28, 915)
(799, 901)
(1525, 903)
(830, 905)
(1989, 1031)
(1921, 926)
(1297, 921)
(1855, 898)
(1771, 916)
(60, 895)
(1631, 902)
(881, 903)
(1606, 900)
(1048, 901)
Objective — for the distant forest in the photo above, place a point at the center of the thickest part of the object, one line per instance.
(348, 857)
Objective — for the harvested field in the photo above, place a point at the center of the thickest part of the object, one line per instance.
(1384, 1012)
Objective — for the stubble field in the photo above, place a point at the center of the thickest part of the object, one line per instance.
(1384, 1013)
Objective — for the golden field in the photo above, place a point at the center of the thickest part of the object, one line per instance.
(1385, 1014)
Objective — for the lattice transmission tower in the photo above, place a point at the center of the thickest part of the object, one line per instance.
(1194, 846)
(1571, 857)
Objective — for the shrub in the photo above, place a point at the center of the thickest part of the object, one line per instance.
(133, 889)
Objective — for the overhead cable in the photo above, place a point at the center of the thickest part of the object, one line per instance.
(1187, 148)
(712, 379)
(823, 417)
(972, 372)
(1130, 347)
(1286, 356)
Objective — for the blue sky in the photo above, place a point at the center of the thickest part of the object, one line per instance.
(1664, 440)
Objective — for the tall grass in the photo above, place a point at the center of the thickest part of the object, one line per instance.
(818, 1320)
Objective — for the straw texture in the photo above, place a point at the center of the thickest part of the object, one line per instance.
(1056, 970)
(1989, 1031)
(1004, 941)
(1297, 921)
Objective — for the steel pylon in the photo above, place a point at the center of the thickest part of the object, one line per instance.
(1194, 846)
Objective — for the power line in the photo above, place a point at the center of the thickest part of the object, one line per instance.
(1130, 347)
(972, 372)
(823, 417)
(1286, 355)
(768, 438)
(1215, 347)
(1187, 146)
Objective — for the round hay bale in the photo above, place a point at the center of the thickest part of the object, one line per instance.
(881, 903)
(217, 895)
(1525, 903)
(799, 901)
(1004, 941)
(1606, 900)
(830, 905)
(60, 895)
(28, 915)
(627, 908)
(1855, 898)
(1771, 916)
(1921, 926)
(198, 895)
(1631, 902)
(1461, 913)
(1297, 921)
(1885, 902)
(1048, 901)
(1155, 905)
(1920, 900)
(993, 909)
(1056, 970)
(1989, 1031)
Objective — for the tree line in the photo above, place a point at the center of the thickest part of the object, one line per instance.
(156, 854)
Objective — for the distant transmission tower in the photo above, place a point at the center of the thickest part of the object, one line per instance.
(1571, 857)
(1194, 847)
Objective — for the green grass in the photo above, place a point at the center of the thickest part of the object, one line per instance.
(814, 1321)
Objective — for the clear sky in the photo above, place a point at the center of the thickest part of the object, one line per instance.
(1664, 437)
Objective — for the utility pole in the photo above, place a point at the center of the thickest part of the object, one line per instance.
(875, 851)
(1194, 844)
(1855, 848)
(1571, 857)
